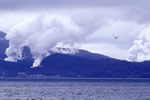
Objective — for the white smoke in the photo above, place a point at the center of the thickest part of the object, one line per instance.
(64, 50)
(41, 34)
(140, 51)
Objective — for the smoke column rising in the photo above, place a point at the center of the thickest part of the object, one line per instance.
(140, 51)
(41, 33)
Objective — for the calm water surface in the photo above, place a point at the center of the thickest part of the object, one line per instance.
(74, 89)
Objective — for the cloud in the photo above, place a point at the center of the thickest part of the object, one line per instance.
(46, 4)
(127, 30)
(107, 49)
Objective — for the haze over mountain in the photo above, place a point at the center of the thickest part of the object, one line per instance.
(81, 64)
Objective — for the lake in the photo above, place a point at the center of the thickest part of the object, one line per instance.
(74, 89)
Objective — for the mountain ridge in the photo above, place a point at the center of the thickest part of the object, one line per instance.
(82, 64)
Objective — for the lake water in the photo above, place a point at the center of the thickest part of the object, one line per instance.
(75, 89)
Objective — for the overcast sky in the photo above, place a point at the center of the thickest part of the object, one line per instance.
(98, 19)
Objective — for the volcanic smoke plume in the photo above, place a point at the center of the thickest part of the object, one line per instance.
(140, 51)
(41, 34)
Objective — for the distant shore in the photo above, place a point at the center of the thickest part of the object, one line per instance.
(48, 79)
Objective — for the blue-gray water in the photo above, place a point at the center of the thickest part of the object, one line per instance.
(75, 89)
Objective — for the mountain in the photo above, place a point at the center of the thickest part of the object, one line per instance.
(82, 64)
(81, 53)
(3, 45)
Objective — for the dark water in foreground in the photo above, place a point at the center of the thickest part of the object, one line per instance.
(74, 89)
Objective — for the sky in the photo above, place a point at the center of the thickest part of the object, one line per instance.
(84, 24)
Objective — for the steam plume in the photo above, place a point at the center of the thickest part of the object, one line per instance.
(41, 34)
(140, 51)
